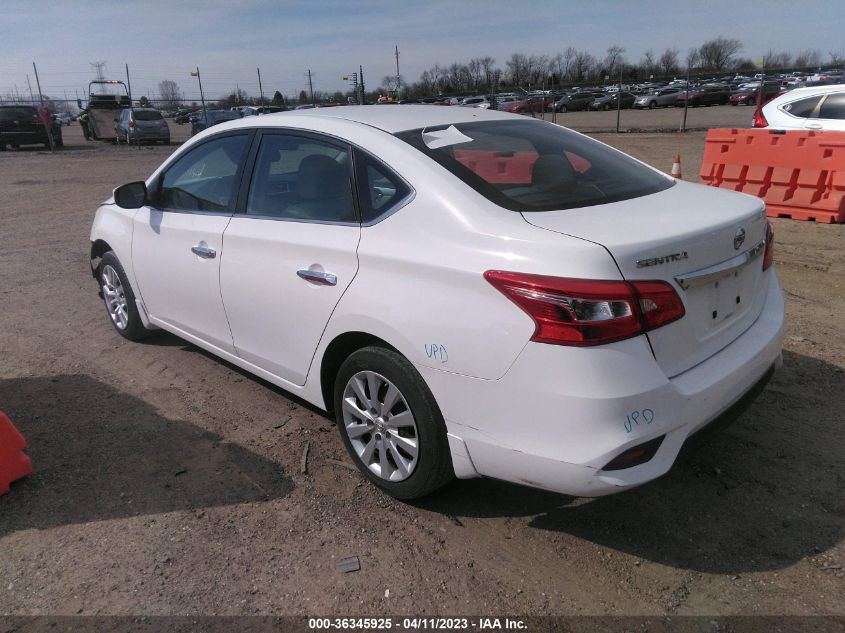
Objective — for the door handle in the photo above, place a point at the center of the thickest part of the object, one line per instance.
(814, 126)
(324, 279)
(204, 251)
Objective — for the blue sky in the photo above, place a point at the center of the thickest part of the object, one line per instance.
(228, 39)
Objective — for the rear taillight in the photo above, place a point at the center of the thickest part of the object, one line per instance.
(769, 254)
(759, 120)
(131, 123)
(585, 311)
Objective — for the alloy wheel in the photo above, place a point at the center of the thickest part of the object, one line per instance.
(114, 297)
(380, 426)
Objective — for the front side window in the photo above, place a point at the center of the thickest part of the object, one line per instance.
(833, 107)
(531, 166)
(204, 178)
(302, 178)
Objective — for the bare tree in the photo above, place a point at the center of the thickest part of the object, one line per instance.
(647, 63)
(517, 67)
(476, 72)
(583, 64)
(487, 65)
(568, 57)
(780, 59)
(837, 58)
(668, 62)
(169, 93)
(613, 59)
(718, 54)
(808, 57)
(693, 58)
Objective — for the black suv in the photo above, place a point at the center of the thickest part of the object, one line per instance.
(21, 125)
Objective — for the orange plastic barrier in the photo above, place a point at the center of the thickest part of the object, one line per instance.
(13, 463)
(800, 174)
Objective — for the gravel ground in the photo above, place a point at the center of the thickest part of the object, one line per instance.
(169, 482)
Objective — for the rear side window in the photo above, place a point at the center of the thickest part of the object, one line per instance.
(380, 190)
(833, 107)
(302, 178)
(533, 166)
(803, 107)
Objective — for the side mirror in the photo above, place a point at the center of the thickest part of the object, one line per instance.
(132, 195)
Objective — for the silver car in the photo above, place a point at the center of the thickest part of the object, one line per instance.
(137, 125)
(663, 98)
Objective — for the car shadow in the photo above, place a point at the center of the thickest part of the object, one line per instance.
(101, 454)
(762, 495)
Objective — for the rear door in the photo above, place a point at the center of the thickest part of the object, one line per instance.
(830, 115)
(293, 252)
(177, 243)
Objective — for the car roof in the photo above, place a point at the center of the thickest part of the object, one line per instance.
(814, 90)
(391, 120)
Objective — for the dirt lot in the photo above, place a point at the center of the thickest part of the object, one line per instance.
(168, 482)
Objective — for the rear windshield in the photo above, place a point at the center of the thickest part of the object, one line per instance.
(533, 166)
(12, 114)
(146, 115)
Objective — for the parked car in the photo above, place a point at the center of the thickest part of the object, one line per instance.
(212, 117)
(750, 96)
(183, 116)
(815, 108)
(575, 101)
(571, 331)
(139, 125)
(662, 98)
(476, 102)
(22, 125)
(63, 118)
(537, 103)
(503, 103)
(704, 96)
(609, 101)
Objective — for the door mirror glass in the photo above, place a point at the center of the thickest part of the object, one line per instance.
(132, 195)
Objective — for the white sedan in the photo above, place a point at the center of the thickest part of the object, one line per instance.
(470, 293)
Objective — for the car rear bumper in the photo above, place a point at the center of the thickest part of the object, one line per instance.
(561, 414)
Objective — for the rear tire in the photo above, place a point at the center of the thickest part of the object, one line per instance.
(652, 105)
(390, 424)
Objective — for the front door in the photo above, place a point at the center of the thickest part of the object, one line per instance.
(177, 243)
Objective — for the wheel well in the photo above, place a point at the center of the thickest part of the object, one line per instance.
(98, 249)
(338, 351)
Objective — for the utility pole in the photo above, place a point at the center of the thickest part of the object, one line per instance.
(311, 87)
(202, 96)
(47, 124)
(98, 68)
(128, 85)
(686, 101)
(37, 84)
(361, 84)
(398, 87)
(619, 99)
(260, 89)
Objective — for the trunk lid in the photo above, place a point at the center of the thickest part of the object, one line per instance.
(705, 241)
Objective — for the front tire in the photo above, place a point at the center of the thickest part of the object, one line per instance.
(391, 425)
(119, 299)
(652, 105)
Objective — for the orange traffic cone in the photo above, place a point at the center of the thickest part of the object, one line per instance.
(13, 463)
(676, 167)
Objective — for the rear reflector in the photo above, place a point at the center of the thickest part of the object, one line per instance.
(639, 454)
(769, 255)
(587, 312)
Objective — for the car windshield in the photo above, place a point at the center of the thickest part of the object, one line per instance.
(532, 166)
(146, 115)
